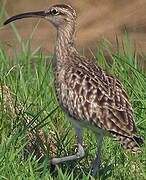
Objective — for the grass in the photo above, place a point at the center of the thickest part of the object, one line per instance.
(33, 127)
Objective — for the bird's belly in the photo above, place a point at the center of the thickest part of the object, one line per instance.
(86, 124)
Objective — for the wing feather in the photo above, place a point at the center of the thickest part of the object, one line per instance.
(99, 98)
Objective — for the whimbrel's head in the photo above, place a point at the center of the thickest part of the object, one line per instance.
(58, 15)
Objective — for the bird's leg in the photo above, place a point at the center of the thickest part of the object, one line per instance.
(80, 151)
(97, 161)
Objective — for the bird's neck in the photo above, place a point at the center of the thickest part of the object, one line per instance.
(64, 44)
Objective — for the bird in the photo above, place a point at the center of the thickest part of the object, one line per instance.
(89, 96)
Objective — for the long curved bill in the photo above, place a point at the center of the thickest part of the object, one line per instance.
(40, 14)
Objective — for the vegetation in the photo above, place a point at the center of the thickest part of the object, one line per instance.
(33, 128)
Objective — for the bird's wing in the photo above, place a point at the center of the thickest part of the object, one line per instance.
(99, 98)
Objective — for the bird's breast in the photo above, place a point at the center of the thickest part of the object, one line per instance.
(61, 87)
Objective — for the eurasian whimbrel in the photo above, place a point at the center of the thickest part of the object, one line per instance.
(89, 96)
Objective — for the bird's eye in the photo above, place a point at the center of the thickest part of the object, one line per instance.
(54, 12)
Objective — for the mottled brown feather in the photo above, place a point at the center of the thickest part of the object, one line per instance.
(99, 99)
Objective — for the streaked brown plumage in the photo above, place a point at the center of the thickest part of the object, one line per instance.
(88, 95)
(85, 92)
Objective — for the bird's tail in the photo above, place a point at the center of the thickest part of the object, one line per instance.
(130, 143)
